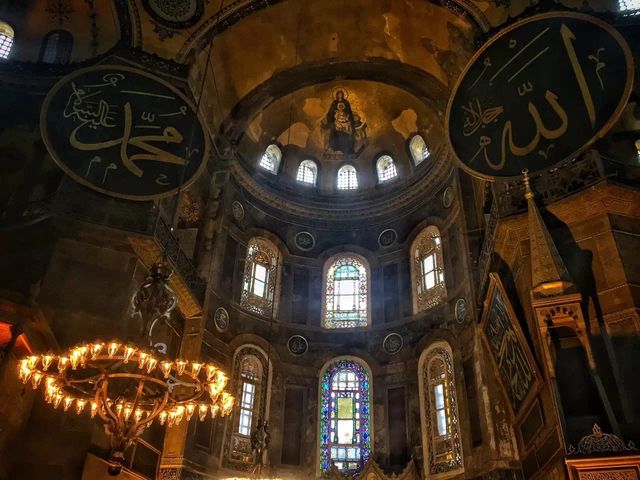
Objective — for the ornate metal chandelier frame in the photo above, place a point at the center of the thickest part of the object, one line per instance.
(128, 388)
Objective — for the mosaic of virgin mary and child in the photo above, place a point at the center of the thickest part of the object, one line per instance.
(346, 131)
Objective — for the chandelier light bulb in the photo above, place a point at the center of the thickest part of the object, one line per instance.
(142, 360)
(166, 368)
(32, 361)
(137, 415)
(151, 364)
(202, 411)
(96, 348)
(83, 350)
(112, 349)
(128, 353)
(63, 363)
(163, 417)
(215, 409)
(127, 412)
(75, 359)
(36, 378)
(180, 366)
(119, 408)
(211, 370)
(80, 404)
(47, 360)
(94, 408)
(191, 407)
(67, 403)
(195, 368)
(57, 399)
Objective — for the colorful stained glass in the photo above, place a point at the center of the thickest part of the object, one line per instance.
(346, 294)
(345, 420)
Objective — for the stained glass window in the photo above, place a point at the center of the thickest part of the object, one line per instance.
(419, 150)
(427, 268)
(347, 178)
(270, 159)
(6, 40)
(346, 292)
(260, 277)
(307, 172)
(441, 428)
(250, 385)
(345, 417)
(386, 168)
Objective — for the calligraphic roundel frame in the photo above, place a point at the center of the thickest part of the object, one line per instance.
(194, 124)
(606, 126)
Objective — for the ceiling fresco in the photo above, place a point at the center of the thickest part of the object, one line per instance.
(332, 123)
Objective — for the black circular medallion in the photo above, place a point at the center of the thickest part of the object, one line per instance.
(392, 343)
(538, 93)
(221, 319)
(305, 241)
(123, 132)
(387, 237)
(297, 345)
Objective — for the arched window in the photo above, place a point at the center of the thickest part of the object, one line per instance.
(346, 293)
(251, 383)
(307, 172)
(419, 150)
(345, 415)
(427, 270)
(259, 287)
(56, 47)
(347, 178)
(442, 447)
(270, 159)
(6, 39)
(386, 168)
(629, 7)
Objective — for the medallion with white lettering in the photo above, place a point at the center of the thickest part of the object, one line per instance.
(123, 132)
(539, 92)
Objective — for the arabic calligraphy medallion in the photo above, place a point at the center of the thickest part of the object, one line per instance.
(538, 93)
(123, 132)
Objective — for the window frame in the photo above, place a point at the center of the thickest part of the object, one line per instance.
(365, 411)
(310, 165)
(237, 446)
(348, 188)
(7, 40)
(424, 157)
(427, 244)
(274, 151)
(331, 268)
(432, 440)
(261, 251)
(381, 173)
(63, 47)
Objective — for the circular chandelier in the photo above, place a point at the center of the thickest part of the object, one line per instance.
(128, 388)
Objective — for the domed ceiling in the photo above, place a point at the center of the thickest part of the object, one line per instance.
(384, 118)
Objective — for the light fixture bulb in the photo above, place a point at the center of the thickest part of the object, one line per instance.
(180, 366)
(80, 404)
(112, 349)
(195, 368)
(96, 348)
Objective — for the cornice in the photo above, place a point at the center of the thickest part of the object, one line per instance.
(374, 205)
